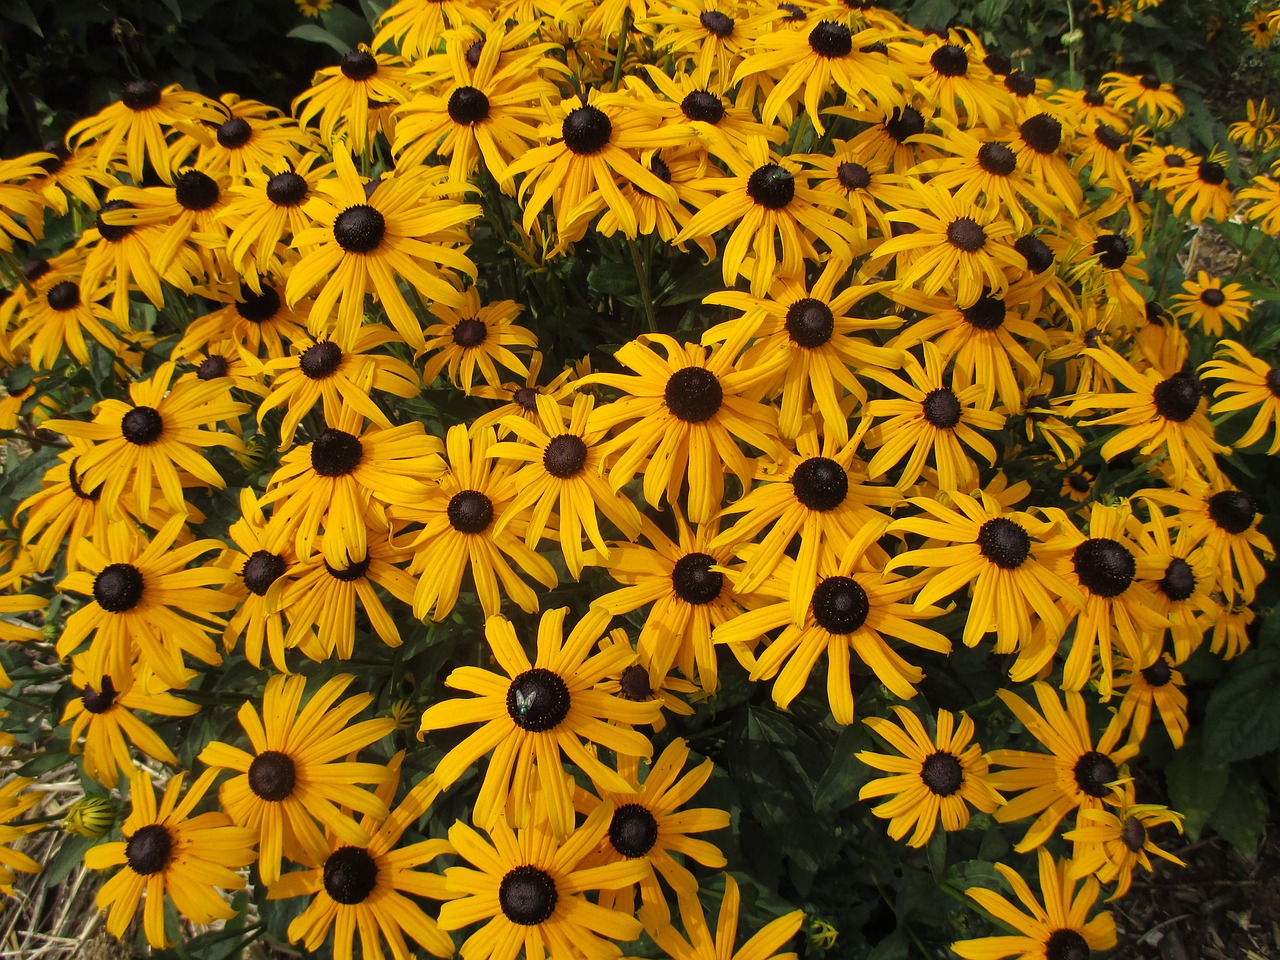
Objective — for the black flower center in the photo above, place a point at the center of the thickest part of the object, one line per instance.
(140, 94)
(966, 234)
(1232, 510)
(1150, 81)
(468, 106)
(335, 453)
(1066, 945)
(1213, 297)
(1020, 84)
(831, 40)
(113, 232)
(633, 830)
(904, 123)
(1156, 314)
(1036, 252)
(702, 105)
(1093, 771)
(840, 605)
(1112, 250)
(470, 333)
(1078, 482)
(195, 190)
(997, 159)
(470, 512)
(878, 46)
(1211, 173)
(474, 52)
(355, 570)
(794, 14)
(693, 394)
(810, 323)
(635, 684)
(771, 186)
(358, 65)
(950, 60)
(64, 295)
(61, 155)
(820, 484)
(149, 849)
(1042, 133)
(1176, 399)
(261, 570)
(1133, 834)
(272, 776)
(234, 133)
(34, 269)
(694, 580)
(320, 360)
(142, 425)
(287, 189)
(73, 480)
(716, 23)
(99, 701)
(1159, 674)
(350, 875)
(526, 398)
(258, 307)
(659, 168)
(987, 313)
(1004, 543)
(1179, 580)
(212, 367)
(853, 176)
(1175, 160)
(538, 700)
(1093, 98)
(997, 63)
(1110, 138)
(586, 130)
(359, 229)
(565, 456)
(942, 408)
(528, 896)
(1103, 566)
(941, 773)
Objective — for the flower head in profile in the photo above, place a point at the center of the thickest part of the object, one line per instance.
(1247, 382)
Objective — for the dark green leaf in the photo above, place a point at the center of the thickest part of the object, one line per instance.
(1242, 719)
(318, 34)
(1241, 816)
(1195, 788)
(347, 25)
(19, 11)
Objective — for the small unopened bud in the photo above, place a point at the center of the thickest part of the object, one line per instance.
(90, 817)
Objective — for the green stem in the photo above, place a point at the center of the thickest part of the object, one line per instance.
(642, 276)
(15, 268)
(26, 438)
(622, 50)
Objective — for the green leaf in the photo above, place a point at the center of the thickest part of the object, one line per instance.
(1242, 718)
(1241, 816)
(19, 11)
(1195, 788)
(347, 25)
(318, 34)
(69, 856)
(839, 786)
(373, 9)
(892, 947)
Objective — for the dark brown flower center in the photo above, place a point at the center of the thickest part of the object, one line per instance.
(468, 106)
(1112, 250)
(1159, 674)
(149, 850)
(810, 323)
(942, 408)
(528, 896)
(1232, 511)
(470, 333)
(586, 130)
(359, 229)
(64, 295)
(73, 480)
(716, 23)
(831, 40)
(950, 60)
(904, 123)
(1078, 482)
(142, 425)
(1178, 397)
(1110, 138)
(1093, 98)
(820, 484)
(1036, 252)
(1093, 771)
(1103, 566)
(113, 232)
(358, 65)
(1213, 297)
(272, 776)
(538, 700)
(470, 512)
(258, 307)
(633, 830)
(1066, 945)
(853, 176)
(212, 367)
(287, 189)
(195, 190)
(261, 570)
(966, 234)
(634, 683)
(1004, 543)
(353, 571)
(320, 360)
(234, 133)
(703, 106)
(941, 773)
(693, 579)
(1133, 834)
(771, 186)
(335, 453)
(1211, 173)
(693, 394)
(987, 313)
(997, 159)
(1020, 84)
(840, 605)
(1150, 81)
(350, 875)
(1042, 133)
(140, 94)
(565, 456)
(99, 701)
(997, 63)
(1179, 580)
(1175, 160)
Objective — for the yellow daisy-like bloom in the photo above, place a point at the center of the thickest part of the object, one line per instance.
(1057, 930)
(105, 719)
(1159, 410)
(634, 683)
(648, 825)
(154, 440)
(354, 99)
(266, 209)
(1260, 131)
(475, 336)
(1209, 304)
(457, 534)
(527, 886)
(1147, 93)
(681, 418)
(1203, 190)
(55, 323)
(977, 542)
(1178, 574)
(951, 76)
(940, 775)
(930, 420)
(865, 187)
(1074, 775)
(1265, 194)
(64, 175)
(262, 564)
(416, 26)
(1247, 382)
(1156, 688)
(521, 399)
(686, 170)
(540, 711)
(1230, 636)
(13, 804)
(169, 852)
(405, 228)
(138, 589)
(708, 38)
(256, 318)
(63, 514)
(296, 777)
(769, 201)
(361, 889)
(18, 198)
(135, 128)
(251, 136)
(1110, 845)
(697, 943)
(850, 609)
(562, 476)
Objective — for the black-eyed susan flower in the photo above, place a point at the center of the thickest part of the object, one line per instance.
(1040, 151)
(261, 559)
(520, 399)
(1247, 381)
(168, 853)
(1157, 689)
(256, 319)
(949, 74)
(697, 942)
(938, 776)
(1073, 775)
(1201, 189)
(1148, 94)
(415, 26)
(1178, 573)
(637, 682)
(354, 99)
(681, 418)
(1264, 192)
(472, 336)
(14, 803)
(541, 711)
(863, 184)
(296, 776)
(686, 170)
(1209, 304)
(249, 136)
(1110, 845)
(267, 209)
(361, 890)
(56, 321)
(1230, 635)
(62, 514)
(1058, 930)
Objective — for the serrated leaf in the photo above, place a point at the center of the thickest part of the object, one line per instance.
(318, 34)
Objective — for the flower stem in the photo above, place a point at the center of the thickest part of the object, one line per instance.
(642, 276)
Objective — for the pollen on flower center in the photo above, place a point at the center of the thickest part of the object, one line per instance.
(140, 94)
(716, 23)
(149, 850)
(1042, 133)
(538, 700)
(195, 190)
(1066, 945)
(634, 684)
(702, 105)
(320, 360)
(99, 701)
(565, 456)
(350, 875)
(142, 425)
(633, 830)
(1093, 771)
(840, 605)
(1179, 581)
(234, 133)
(359, 229)
(941, 773)
(261, 570)
(1176, 399)
(258, 307)
(820, 484)
(987, 313)
(468, 106)
(1004, 543)
(810, 323)
(997, 159)
(966, 234)
(470, 512)
(693, 394)
(1232, 510)
(470, 333)
(287, 189)
(272, 776)
(63, 296)
(528, 896)
(941, 408)
(831, 40)
(1104, 567)
(693, 579)
(335, 453)
(950, 60)
(586, 130)
(771, 186)
(358, 65)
